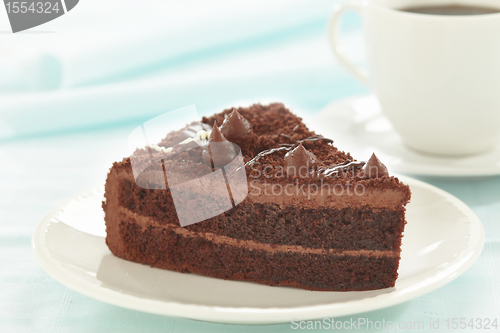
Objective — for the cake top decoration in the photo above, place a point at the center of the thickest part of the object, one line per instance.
(237, 129)
(374, 168)
(202, 135)
(299, 161)
(216, 135)
(220, 149)
(160, 149)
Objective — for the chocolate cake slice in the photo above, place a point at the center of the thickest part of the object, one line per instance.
(252, 194)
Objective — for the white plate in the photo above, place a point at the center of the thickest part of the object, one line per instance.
(442, 239)
(357, 125)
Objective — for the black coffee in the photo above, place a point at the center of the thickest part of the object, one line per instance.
(451, 10)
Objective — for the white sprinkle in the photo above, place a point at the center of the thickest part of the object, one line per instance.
(160, 149)
(200, 136)
(155, 147)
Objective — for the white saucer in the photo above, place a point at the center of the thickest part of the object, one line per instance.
(69, 244)
(357, 125)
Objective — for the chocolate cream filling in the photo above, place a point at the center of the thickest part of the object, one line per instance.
(145, 222)
(337, 196)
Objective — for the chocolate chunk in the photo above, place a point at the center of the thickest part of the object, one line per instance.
(221, 150)
(237, 129)
(374, 168)
(299, 162)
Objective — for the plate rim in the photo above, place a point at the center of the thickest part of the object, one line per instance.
(251, 315)
(408, 168)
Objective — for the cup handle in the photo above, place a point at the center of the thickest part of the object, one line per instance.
(334, 36)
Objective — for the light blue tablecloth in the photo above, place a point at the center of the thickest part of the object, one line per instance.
(52, 158)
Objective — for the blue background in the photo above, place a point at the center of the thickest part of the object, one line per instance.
(60, 136)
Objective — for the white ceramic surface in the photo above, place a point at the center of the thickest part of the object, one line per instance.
(356, 124)
(436, 76)
(442, 239)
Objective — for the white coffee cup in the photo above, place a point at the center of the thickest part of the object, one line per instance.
(437, 77)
